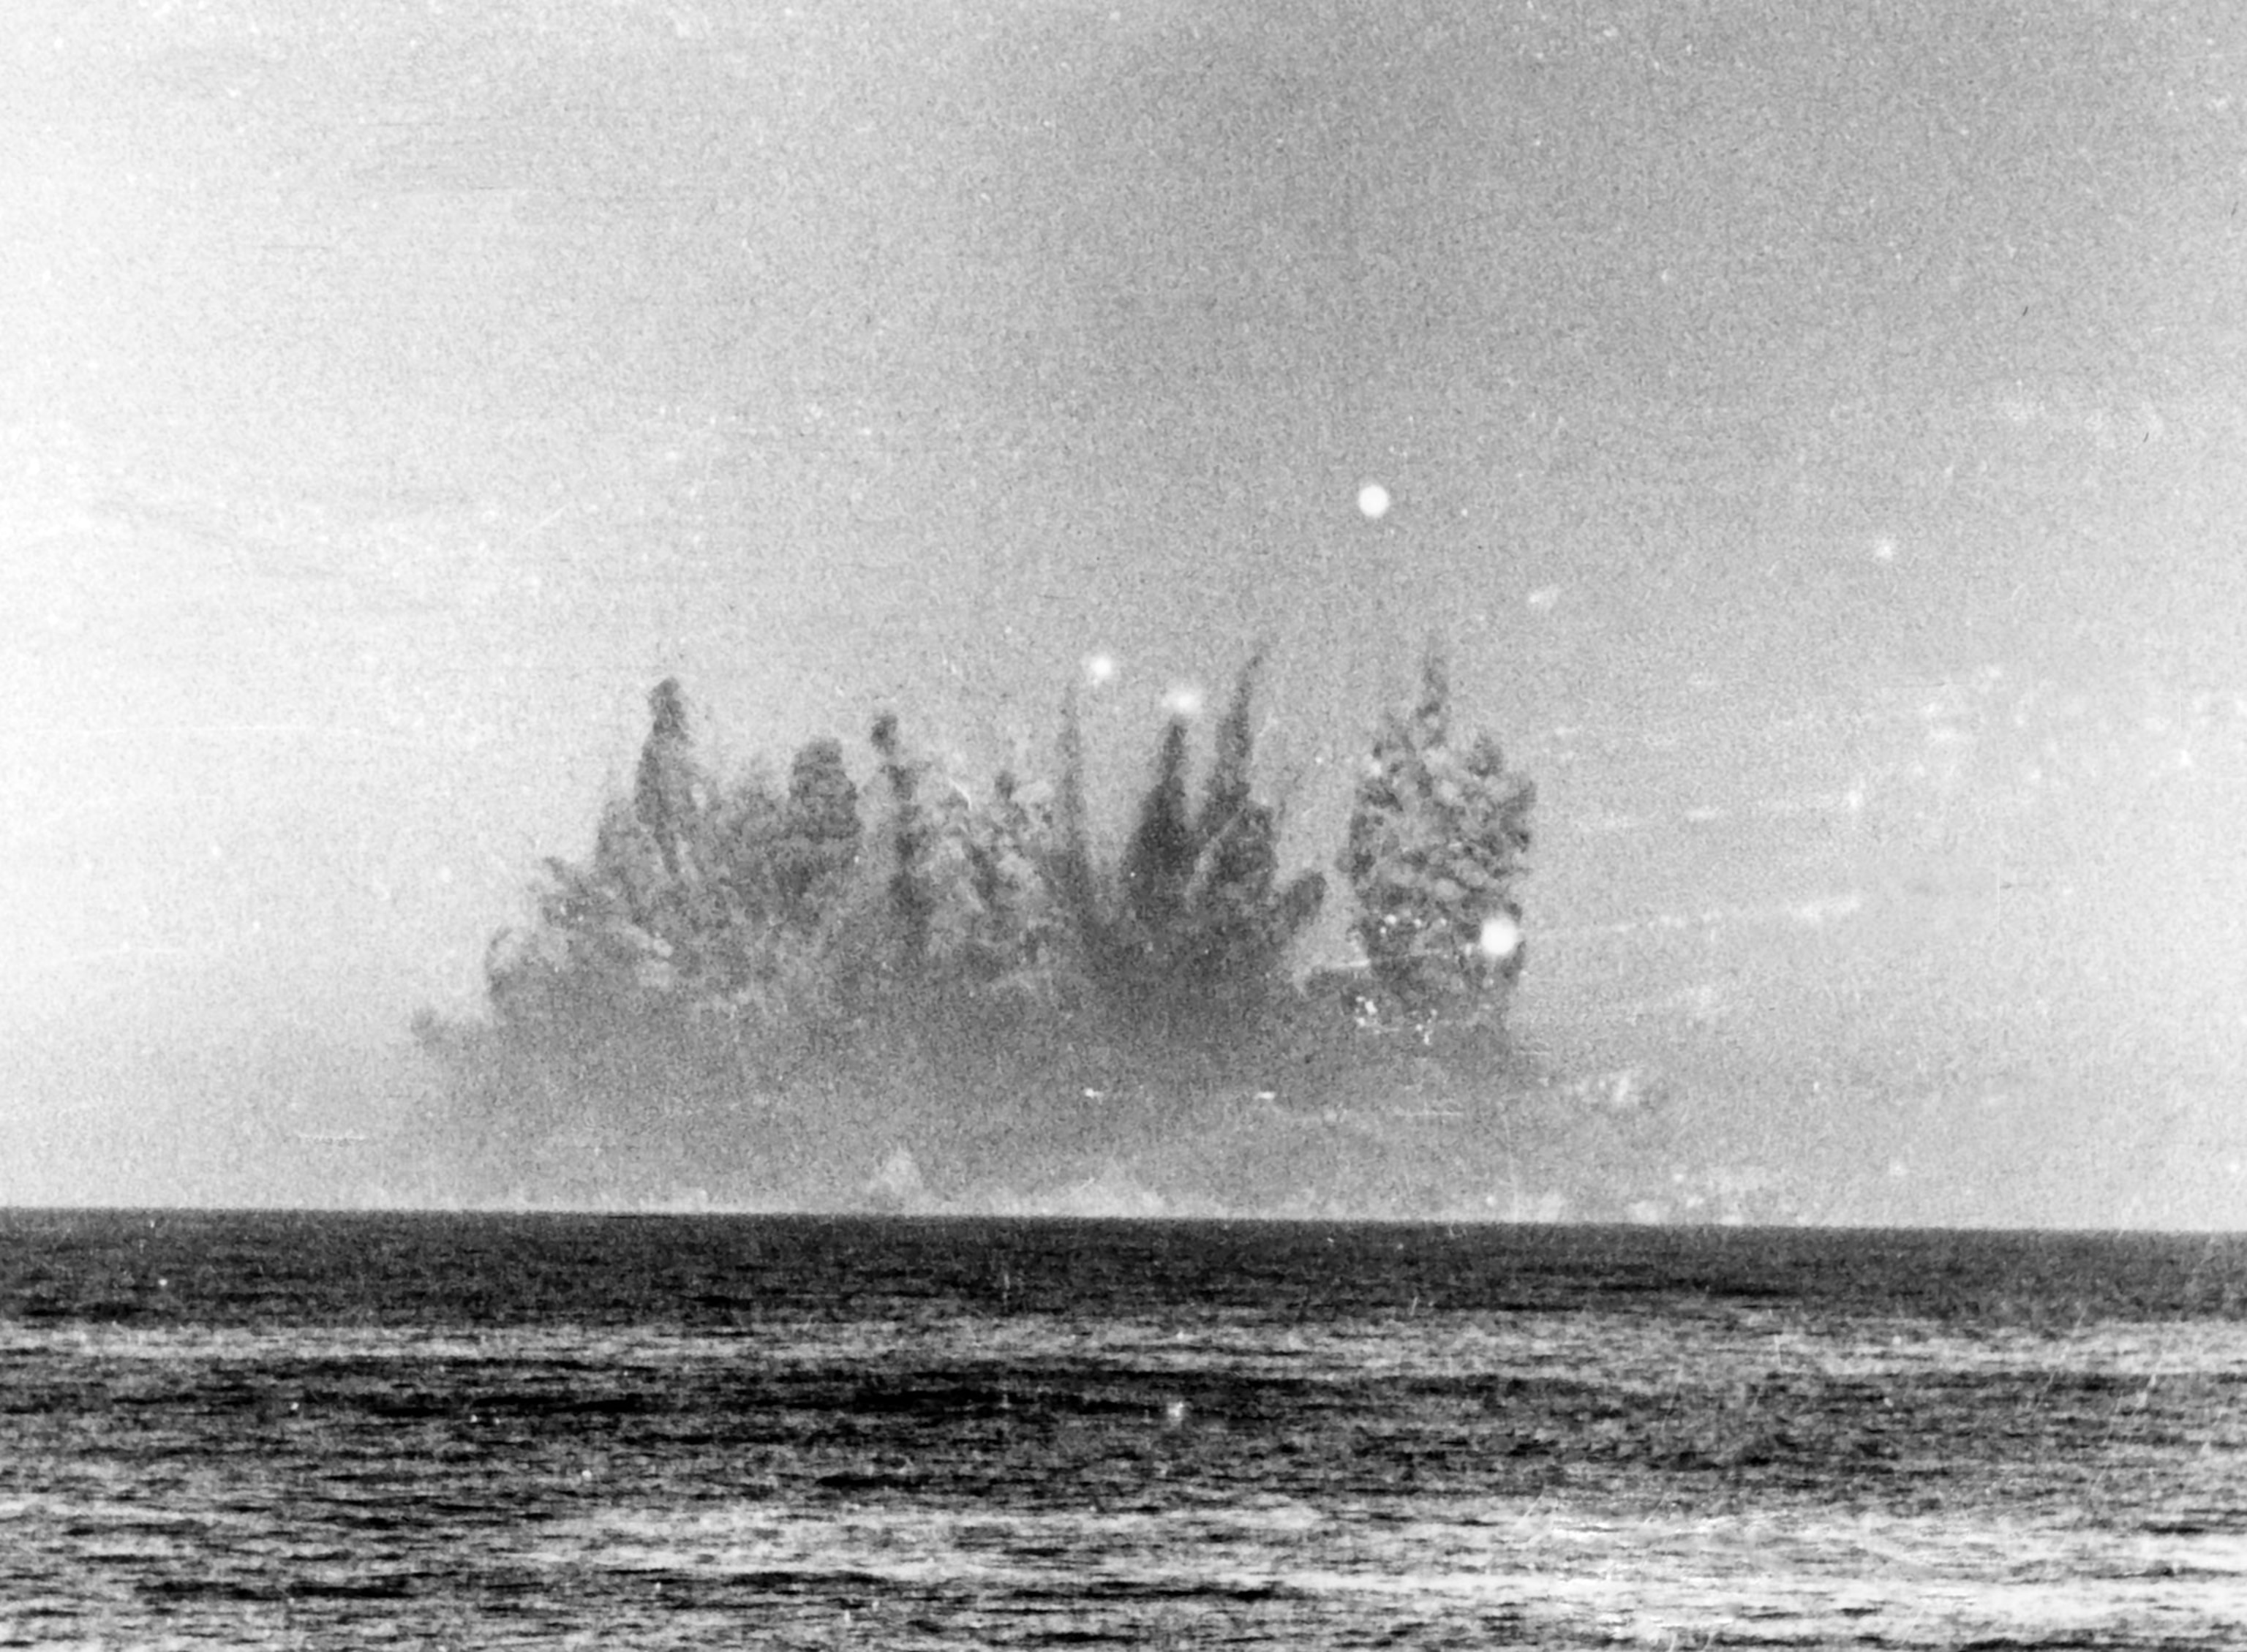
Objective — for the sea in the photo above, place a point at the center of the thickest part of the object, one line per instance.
(486, 1431)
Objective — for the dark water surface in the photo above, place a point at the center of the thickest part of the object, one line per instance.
(226, 1430)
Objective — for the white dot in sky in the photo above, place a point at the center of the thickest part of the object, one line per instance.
(1099, 668)
(1373, 502)
(1884, 549)
(1185, 700)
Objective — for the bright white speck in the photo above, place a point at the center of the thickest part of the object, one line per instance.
(1099, 668)
(1373, 502)
(1184, 700)
(1544, 596)
(1884, 549)
(1500, 936)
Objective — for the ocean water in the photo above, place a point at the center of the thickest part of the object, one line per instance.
(475, 1431)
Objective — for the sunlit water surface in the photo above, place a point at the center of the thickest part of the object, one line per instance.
(518, 1430)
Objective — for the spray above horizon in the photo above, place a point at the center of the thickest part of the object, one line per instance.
(937, 994)
(1819, 448)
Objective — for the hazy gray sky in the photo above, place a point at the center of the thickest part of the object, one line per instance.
(1820, 433)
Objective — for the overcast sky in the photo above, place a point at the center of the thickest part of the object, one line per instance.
(1818, 433)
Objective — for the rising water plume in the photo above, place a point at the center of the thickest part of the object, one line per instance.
(933, 993)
